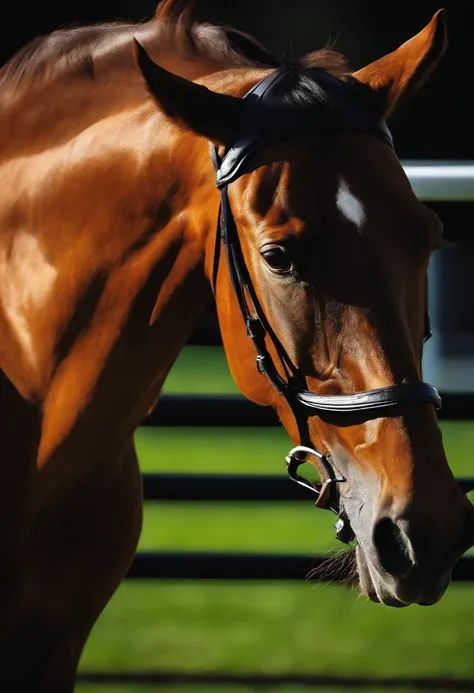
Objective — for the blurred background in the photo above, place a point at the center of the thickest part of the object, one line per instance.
(292, 628)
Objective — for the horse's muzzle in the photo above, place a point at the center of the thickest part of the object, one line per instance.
(408, 564)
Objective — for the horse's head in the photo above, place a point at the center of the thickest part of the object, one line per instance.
(329, 248)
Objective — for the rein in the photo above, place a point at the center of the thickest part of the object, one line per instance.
(270, 119)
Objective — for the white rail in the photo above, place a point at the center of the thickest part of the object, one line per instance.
(446, 180)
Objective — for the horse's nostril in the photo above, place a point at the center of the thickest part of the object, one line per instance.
(392, 547)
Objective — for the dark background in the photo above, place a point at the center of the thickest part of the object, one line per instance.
(438, 122)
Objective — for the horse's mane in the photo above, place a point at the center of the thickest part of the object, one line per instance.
(174, 30)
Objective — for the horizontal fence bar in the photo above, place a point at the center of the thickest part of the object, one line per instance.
(233, 488)
(236, 410)
(273, 681)
(209, 410)
(441, 180)
(169, 565)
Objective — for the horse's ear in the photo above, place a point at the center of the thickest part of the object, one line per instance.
(406, 68)
(193, 106)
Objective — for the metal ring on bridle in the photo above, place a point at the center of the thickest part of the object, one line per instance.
(324, 491)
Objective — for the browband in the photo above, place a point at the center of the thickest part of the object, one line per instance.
(269, 118)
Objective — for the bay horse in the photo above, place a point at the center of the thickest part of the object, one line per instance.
(112, 140)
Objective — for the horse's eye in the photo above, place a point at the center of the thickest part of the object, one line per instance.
(278, 259)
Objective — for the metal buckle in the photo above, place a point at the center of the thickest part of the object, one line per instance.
(323, 491)
(261, 363)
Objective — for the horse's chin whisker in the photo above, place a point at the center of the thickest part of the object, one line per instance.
(339, 568)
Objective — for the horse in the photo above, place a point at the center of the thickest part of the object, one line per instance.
(147, 170)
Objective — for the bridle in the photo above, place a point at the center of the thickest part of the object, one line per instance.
(270, 119)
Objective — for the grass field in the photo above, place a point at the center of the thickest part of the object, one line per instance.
(264, 627)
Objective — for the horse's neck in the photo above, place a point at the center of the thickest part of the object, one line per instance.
(102, 267)
(104, 236)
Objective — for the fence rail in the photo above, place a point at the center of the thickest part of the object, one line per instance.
(216, 681)
(236, 410)
(204, 565)
(233, 488)
(436, 180)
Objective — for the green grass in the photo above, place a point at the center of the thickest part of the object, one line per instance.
(264, 627)
(280, 628)
(259, 450)
(279, 527)
(200, 450)
(200, 369)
